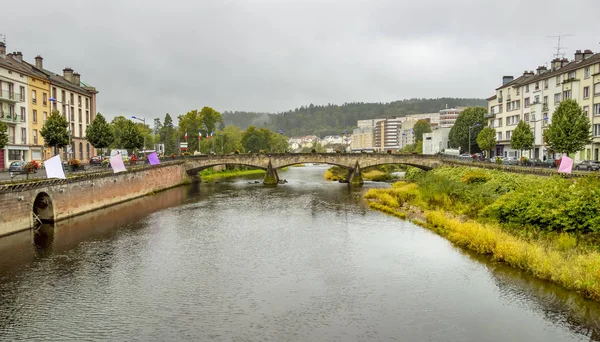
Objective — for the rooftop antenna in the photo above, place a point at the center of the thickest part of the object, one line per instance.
(558, 53)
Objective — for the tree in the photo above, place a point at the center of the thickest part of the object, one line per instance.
(131, 137)
(168, 136)
(3, 135)
(421, 127)
(522, 137)
(99, 134)
(55, 131)
(467, 121)
(570, 129)
(486, 139)
(118, 125)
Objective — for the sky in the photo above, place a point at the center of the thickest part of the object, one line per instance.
(147, 58)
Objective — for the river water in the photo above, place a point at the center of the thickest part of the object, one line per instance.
(233, 261)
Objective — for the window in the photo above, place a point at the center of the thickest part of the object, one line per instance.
(508, 106)
(45, 117)
(518, 91)
(35, 142)
(87, 116)
(54, 92)
(73, 129)
(33, 97)
(586, 92)
(596, 130)
(545, 99)
(80, 130)
(80, 151)
(508, 135)
(571, 75)
(597, 109)
(72, 99)
(557, 80)
(537, 85)
(34, 116)
(499, 136)
(87, 150)
(596, 89)
(64, 111)
(79, 101)
(556, 98)
(527, 103)
(526, 117)
(23, 114)
(537, 99)
(22, 90)
(87, 103)
(546, 84)
(566, 94)
(24, 136)
(80, 117)
(587, 72)
(45, 99)
(512, 120)
(500, 122)
(518, 104)
(11, 91)
(499, 108)
(64, 97)
(14, 154)
(527, 88)
(586, 110)
(72, 113)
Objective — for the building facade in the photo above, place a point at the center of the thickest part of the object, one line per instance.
(534, 96)
(39, 107)
(387, 134)
(363, 139)
(448, 116)
(437, 141)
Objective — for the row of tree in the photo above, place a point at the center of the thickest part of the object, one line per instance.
(568, 133)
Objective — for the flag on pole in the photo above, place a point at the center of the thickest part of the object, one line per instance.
(185, 136)
(199, 135)
(54, 168)
(116, 162)
(211, 135)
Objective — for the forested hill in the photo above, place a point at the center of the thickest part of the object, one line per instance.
(334, 119)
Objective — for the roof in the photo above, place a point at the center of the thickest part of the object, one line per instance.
(61, 81)
(492, 98)
(9, 62)
(514, 82)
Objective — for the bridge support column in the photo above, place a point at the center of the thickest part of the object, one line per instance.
(195, 178)
(271, 178)
(355, 176)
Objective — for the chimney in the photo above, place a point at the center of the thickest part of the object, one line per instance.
(19, 56)
(507, 79)
(587, 54)
(528, 73)
(2, 49)
(77, 79)
(541, 69)
(556, 64)
(39, 62)
(578, 56)
(68, 74)
(564, 62)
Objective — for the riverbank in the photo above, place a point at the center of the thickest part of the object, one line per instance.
(210, 175)
(382, 173)
(548, 227)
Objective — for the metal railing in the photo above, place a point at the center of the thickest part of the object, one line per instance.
(11, 96)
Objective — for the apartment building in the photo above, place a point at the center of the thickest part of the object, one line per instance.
(13, 109)
(363, 139)
(534, 96)
(387, 133)
(39, 107)
(448, 116)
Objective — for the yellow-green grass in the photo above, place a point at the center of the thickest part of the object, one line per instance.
(229, 173)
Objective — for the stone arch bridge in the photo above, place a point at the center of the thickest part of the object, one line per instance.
(353, 162)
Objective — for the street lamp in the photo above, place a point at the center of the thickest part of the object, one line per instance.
(471, 127)
(68, 125)
(144, 121)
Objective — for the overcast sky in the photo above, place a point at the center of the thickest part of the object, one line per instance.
(151, 57)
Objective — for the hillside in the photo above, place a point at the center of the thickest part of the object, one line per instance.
(333, 119)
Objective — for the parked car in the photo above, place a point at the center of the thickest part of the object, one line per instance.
(16, 167)
(96, 160)
(588, 165)
(510, 161)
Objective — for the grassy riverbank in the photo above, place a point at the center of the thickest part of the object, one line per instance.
(382, 173)
(210, 174)
(548, 226)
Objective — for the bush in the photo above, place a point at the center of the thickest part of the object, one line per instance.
(186, 154)
(498, 160)
(236, 152)
(389, 151)
(313, 151)
(412, 173)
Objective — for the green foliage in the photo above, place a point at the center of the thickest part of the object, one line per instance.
(410, 148)
(130, 136)
(421, 127)
(118, 125)
(168, 136)
(522, 137)
(203, 121)
(570, 129)
(413, 173)
(3, 135)
(255, 140)
(332, 119)
(55, 131)
(99, 133)
(459, 133)
(486, 139)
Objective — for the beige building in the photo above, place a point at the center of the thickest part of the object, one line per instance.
(363, 139)
(534, 96)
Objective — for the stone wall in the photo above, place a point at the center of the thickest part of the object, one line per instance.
(75, 196)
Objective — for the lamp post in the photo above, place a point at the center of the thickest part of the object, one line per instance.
(470, 128)
(144, 121)
(68, 125)
(221, 138)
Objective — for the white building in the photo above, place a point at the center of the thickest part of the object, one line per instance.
(436, 141)
(448, 116)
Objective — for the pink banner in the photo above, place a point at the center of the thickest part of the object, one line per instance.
(153, 159)
(116, 162)
(566, 165)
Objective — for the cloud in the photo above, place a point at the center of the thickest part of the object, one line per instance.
(148, 58)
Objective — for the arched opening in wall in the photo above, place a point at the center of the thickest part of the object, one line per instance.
(43, 209)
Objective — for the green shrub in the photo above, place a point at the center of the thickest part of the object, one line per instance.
(412, 173)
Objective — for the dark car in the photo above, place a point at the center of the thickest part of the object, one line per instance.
(16, 167)
(588, 165)
(96, 160)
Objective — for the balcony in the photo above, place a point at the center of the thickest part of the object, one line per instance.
(489, 115)
(10, 96)
(545, 107)
(7, 117)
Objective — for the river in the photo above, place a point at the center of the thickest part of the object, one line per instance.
(234, 261)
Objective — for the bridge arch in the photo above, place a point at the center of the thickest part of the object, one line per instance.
(43, 208)
(313, 162)
(422, 167)
(195, 170)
